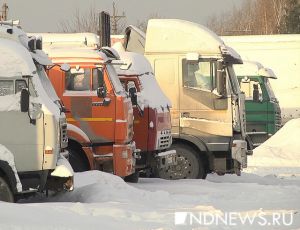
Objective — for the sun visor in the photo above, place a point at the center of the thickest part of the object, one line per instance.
(40, 57)
(230, 55)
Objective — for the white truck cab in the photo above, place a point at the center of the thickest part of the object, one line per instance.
(33, 125)
(193, 67)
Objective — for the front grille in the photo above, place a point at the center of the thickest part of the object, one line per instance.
(63, 134)
(164, 139)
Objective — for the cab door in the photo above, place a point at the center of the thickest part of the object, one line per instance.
(93, 114)
(25, 140)
(103, 106)
(203, 113)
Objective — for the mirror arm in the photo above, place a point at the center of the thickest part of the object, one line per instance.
(31, 120)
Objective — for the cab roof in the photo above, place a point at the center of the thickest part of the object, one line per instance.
(179, 36)
(252, 68)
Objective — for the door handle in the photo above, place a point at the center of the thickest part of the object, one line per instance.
(106, 101)
(185, 114)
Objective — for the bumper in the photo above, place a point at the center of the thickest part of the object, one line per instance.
(124, 159)
(62, 177)
(239, 152)
(166, 159)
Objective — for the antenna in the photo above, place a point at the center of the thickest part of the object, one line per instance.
(115, 18)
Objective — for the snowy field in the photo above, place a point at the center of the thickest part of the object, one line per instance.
(267, 193)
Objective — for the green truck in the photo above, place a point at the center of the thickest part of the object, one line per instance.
(263, 114)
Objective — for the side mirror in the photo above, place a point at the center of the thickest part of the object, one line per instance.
(65, 67)
(101, 92)
(255, 93)
(221, 79)
(24, 100)
(133, 95)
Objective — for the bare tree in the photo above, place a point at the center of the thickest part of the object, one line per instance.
(253, 17)
(85, 22)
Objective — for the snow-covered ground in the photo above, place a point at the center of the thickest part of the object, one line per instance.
(267, 192)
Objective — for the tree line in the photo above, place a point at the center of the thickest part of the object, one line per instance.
(259, 17)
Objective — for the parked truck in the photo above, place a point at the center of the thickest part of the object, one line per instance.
(152, 120)
(263, 115)
(33, 137)
(100, 117)
(193, 67)
(281, 53)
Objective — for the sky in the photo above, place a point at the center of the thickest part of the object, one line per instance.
(46, 15)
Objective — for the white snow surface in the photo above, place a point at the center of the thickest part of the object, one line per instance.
(281, 150)
(102, 200)
(63, 168)
(6, 155)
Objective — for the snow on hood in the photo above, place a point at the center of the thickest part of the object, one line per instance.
(281, 150)
(7, 156)
(152, 94)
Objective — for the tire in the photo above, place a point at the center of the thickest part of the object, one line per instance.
(5, 191)
(133, 178)
(77, 161)
(189, 165)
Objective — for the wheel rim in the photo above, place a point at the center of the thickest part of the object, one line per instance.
(186, 168)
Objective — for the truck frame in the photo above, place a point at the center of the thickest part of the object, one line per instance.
(100, 115)
(33, 136)
(152, 123)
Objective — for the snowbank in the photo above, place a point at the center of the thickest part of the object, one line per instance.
(281, 150)
(102, 199)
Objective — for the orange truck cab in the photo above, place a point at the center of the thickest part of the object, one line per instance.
(99, 112)
(151, 108)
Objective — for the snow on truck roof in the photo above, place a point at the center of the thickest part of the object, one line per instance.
(139, 65)
(15, 56)
(15, 59)
(79, 54)
(79, 39)
(177, 36)
(252, 68)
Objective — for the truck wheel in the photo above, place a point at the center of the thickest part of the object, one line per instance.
(189, 165)
(77, 162)
(133, 178)
(5, 192)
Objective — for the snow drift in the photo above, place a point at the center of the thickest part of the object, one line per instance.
(281, 150)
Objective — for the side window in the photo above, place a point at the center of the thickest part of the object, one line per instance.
(247, 87)
(6, 87)
(199, 75)
(78, 80)
(19, 85)
(98, 78)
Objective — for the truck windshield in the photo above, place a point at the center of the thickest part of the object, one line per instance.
(47, 85)
(115, 80)
(233, 80)
(269, 89)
